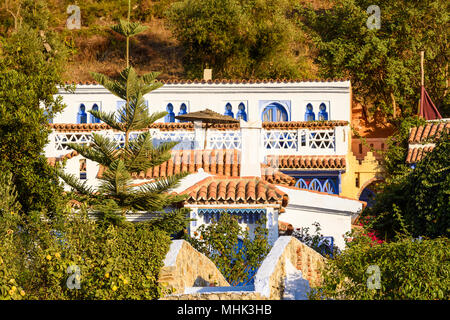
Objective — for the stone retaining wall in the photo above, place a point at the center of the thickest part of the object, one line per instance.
(288, 260)
(186, 267)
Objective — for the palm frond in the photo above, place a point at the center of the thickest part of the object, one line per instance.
(128, 29)
(75, 183)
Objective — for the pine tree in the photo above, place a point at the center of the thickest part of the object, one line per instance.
(116, 195)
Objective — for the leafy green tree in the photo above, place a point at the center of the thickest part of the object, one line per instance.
(384, 64)
(116, 194)
(220, 242)
(31, 64)
(416, 203)
(241, 39)
(415, 269)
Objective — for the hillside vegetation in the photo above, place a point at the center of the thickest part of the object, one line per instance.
(96, 48)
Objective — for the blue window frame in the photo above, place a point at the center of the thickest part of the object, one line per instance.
(82, 115)
(183, 110)
(170, 117)
(241, 112)
(309, 114)
(229, 110)
(94, 119)
(274, 112)
(323, 114)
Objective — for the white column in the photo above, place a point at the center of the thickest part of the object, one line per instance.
(341, 141)
(199, 138)
(251, 153)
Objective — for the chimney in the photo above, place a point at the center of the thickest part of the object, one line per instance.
(207, 74)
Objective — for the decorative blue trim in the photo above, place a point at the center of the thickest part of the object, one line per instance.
(170, 117)
(241, 112)
(309, 114)
(323, 114)
(94, 119)
(82, 115)
(286, 104)
(248, 216)
(229, 110)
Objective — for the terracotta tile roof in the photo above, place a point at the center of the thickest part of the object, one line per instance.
(417, 154)
(224, 81)
(307, 162)
(238, 190)
(220, 162)
(163, 126)
(274, 176)
(429, 131)
(188, 126)
(52, 160)
(293, 125)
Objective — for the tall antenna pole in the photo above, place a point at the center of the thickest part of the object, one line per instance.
(422, 53)
(422, 79)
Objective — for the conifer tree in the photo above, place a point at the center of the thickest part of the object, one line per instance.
(116, 195)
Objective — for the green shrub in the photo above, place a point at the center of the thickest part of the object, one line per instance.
(114, 262)
(409, 269)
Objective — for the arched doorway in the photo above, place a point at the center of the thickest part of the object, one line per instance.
(274, 112)
(368, 192)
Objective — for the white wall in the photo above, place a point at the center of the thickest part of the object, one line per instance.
(333, 213)
(197, 97)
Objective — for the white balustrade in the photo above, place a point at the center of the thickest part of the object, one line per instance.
(274, 141)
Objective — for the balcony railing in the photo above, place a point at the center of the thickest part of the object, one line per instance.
(287, 138)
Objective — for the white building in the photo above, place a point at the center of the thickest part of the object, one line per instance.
(277, 143)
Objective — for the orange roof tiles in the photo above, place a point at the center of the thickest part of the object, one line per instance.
(429, 131)
(188, 126)
(417, 154)
(293, 125)
(307, 162)
(239, 190)
(225, 81)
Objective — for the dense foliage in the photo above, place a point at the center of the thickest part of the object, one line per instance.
(234, 252)
(417, 203)
(384, 64)
(408, 269)
(113, 263)
(31, 62)
(239, 39)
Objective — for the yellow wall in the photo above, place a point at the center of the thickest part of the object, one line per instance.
(367, 170)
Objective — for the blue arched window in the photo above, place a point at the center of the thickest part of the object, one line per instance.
(183, 110)
(315, 185)
(171, 115)
(301, 184)
(328, 186)
(241, 112)
(274, 112)
(229, 110)
(309, 114)
(94, 119)
(82, 115)
(323, 114)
